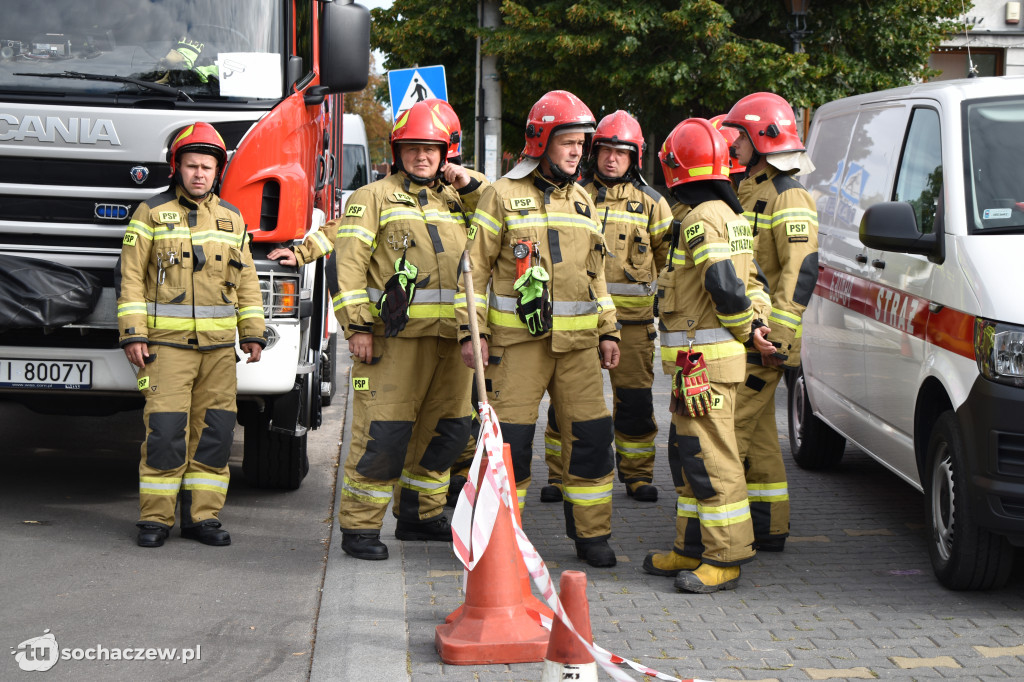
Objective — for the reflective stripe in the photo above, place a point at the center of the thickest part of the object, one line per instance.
(637, 219)
(420, 295)
(521, 495)
(633, 301)
(758, 221)
(706, 251)
(546, 220)
(630, 450)
(216, 236)
(616, 289)
(140, 228)
(479, 299)
(736, 320)
(507, 304)
(423, 485)
(347, 298)
(552, 446)
(678, 258)
(323, 242)
(700, 338)
(808, 215)
(486, 221)
(131, 309)
(252, 311)
(723, 515)
(357, 231)
(713, 351)
(588, 496)
(367, 492)
(605, 303)
(784, 318)
(660, 226)
(189, 311)
(212, 482)
(159, 485)
(768, 492)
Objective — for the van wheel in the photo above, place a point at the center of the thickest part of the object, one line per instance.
(272, 459)
(964, 556)
(813, 443)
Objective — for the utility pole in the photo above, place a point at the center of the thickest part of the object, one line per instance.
(488, 98)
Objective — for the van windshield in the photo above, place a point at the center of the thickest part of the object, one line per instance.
(994, 150)
(203, 48)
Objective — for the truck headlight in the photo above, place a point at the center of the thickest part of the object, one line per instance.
(280, 296)
(999, 350)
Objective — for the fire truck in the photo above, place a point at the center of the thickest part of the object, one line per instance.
(91, 94)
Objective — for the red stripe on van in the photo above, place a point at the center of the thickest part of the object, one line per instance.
(946, 328)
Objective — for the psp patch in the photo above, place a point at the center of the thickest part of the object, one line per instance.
(130, 238)
(798, 232)
(693, 235)
(717, 401)
(168, 217)
(522, 204)
(143, 383)
(355, 211)
(403, 198)
(360, 383)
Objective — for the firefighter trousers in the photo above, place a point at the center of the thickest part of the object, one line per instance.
(410, 421)
(517, 377)
(712, 513)
(190, 419)
(757, 438)
(632, 412)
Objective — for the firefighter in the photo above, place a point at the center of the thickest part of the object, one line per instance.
(635, 221)
(707, 319)
(547, 321)
(186, 285)
(398, 251)
(786, 248)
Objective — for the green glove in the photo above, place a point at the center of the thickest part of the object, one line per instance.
(534, 305)
(393, 305)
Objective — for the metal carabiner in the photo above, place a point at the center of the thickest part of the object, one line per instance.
(161, 272)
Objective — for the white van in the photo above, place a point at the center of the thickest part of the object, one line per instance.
(355, 156)
(913, 343)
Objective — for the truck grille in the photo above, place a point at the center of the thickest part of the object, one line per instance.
(77, 173)
(58, 209)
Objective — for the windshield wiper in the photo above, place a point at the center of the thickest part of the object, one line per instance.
(148, 85)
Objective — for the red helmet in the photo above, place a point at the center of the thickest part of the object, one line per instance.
(769, 122)
(200, 138)
(419, 123)
(693, 151)
(621, 131)
(556, 112)
(451, 120)
(731, 135)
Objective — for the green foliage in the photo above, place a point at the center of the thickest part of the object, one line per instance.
(665, 60)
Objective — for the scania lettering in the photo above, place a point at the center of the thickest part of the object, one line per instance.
(91, 95)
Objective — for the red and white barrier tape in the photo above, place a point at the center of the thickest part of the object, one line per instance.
(473, 521)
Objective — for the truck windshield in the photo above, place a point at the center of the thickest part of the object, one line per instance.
(204, 48)
(993, 150)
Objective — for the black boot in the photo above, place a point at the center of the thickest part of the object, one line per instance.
(455, 486)
(152, 534)
(597, 554)
(551, 493)
(772, 543)
(436, 528)
(364, 546)
(207, 532)
(643, 493)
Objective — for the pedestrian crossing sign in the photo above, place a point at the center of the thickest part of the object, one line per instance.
(408, 86)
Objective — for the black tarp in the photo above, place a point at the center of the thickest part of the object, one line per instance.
(37, 293)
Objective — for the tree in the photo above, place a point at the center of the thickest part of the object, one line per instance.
(375, 116)
(665, 60)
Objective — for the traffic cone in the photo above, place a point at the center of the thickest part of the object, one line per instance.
(493, 625)
(567, 658)
(534, 605)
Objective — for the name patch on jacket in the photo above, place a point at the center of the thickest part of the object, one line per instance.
(168, 217)
(225, 225)
(582, 208)
(355, 211)
(740, 238)
(797, 232)
(694, 234)
(403, 198)
(522, 204)
(634, 207)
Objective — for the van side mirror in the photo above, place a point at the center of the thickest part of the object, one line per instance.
(344, 46)
(892, 226)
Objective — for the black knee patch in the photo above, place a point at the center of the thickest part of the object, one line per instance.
(185, 508)
(686, 450)
(592, 455)
(519, 438)
(385, 450)
(552, 420)
(214, 448)
(755, 383)
(634, 411)
(761, 518)
(165, 444)
(443, 449)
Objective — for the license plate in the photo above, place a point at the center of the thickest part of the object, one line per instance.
(65, 374)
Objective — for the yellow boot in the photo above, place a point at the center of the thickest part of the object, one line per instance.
(708, 578)
(669, 563)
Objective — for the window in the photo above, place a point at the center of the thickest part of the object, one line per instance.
(920, 172)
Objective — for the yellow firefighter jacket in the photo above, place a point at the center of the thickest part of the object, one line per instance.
(703, 298)
(786, 248)
(636, 222)
(186, 275)
(561, 222)
(382, 221)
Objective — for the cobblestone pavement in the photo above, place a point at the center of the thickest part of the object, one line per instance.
(852, 597)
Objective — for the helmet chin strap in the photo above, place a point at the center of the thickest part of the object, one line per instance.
(557, 174)
(609, 180)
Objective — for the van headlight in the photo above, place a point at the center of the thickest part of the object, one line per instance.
(999, 350)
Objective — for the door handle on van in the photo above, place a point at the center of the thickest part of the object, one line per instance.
(878, 263)
(861, 258)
